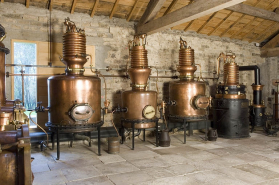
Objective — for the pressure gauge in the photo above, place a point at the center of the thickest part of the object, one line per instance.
(148, 112)
(201, 102)
(81, 112)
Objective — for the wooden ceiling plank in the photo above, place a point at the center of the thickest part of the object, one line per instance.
(94, 8)
(153, 7)
(2, 1)
(207, 21)
(188, 26)
(244, 27)
(251, 30)
(263, 33)
(73, 6)
(132, 11)
(237, 21)
(113, 9)
(50, 5)
(27, 2)
(272, 52)
(272, 43)
(173, 3)
(195, 10)
(256, 12)
(220, 23)
(271, 4)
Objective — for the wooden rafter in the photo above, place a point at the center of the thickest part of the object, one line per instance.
(256, 12)
(151, 11)
(132, 11)
(220, 23)
(188, 26)
(272, 43)
(94, 8)
(73, 6)
(113, 9)
(50, 5)
(237, 21)
(197, 9)
(207, 21)
(27, 2)
(173, 3)
(251, 30)
(244, 27)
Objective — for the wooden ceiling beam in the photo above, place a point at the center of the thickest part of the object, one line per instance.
(2, 1)
(195, 10)
(237, 21)
(207, 21)
(94, 8)
(272, 43)
(256, 12)
(27, 2)
(153, 7)
(113, 9)
(272, 52)
(132, 11)
(173, 3)
(220, 23)
(50, 5)
(73, 6)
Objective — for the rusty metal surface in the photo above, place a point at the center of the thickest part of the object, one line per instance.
(65, 91)
(8, 169)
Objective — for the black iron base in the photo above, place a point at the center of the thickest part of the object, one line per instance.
(59, 129)
(133, 122)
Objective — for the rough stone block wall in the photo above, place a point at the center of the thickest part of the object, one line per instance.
(110, 38)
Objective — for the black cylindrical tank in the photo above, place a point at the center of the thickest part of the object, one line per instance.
(231, 117)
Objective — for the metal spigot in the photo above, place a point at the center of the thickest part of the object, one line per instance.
(41, 108)
(106, 105)
(119, 109)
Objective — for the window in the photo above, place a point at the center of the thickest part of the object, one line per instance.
(25, 53)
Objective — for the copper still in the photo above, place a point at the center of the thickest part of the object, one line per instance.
(74, 99)
(140, 103)
(230, 106)
(187, 96)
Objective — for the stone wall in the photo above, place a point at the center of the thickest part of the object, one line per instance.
(110, 38)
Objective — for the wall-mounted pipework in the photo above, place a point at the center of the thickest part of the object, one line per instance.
(230, 106)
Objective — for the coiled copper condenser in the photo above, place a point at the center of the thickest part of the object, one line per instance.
(74, 47)
(231, 71)
(138, 53)
(186, 66)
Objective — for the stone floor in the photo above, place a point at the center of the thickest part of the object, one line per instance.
(252, 160)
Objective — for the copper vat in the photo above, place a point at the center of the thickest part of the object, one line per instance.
(74, 99)
(187, 96)
(136, 100)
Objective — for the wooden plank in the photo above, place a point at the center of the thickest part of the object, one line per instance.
(188, 26)
(27, 2)
(94, 8)
(272, 52)
(262, 33)
(256, 12)
(2, 1)
(73, 6)
(251, 30)
(206, 22)
(272, 43)
(132, 11)
(237, 21)
(173, 3)
(113, 9)
(195, 10)
(50, 5)
(151, 11)
(220, 23)
(243, 28)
